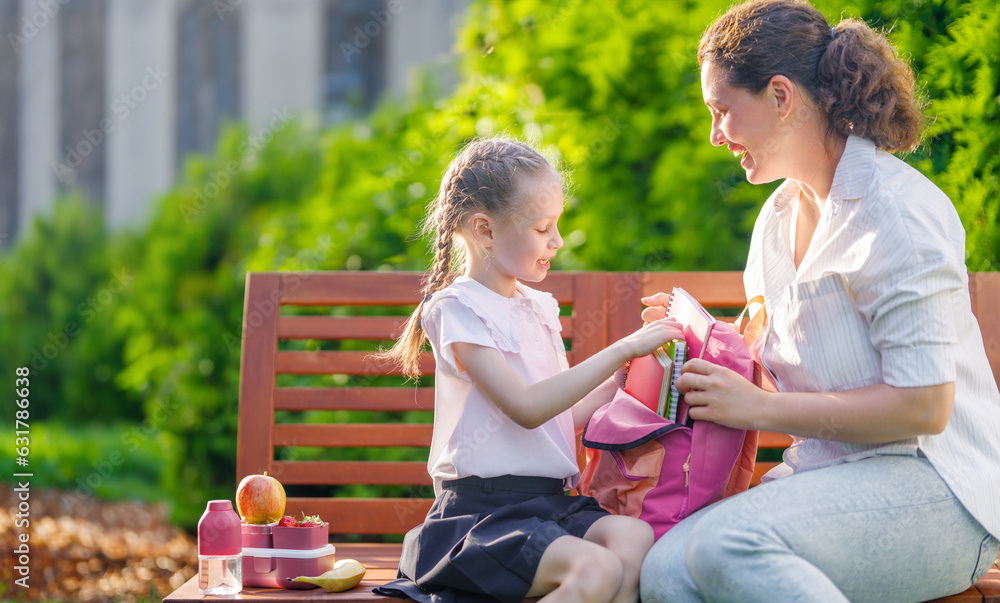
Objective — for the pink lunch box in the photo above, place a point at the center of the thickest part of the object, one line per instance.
(273, 568)
(274, 554)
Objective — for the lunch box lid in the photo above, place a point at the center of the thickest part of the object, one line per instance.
(323, 551)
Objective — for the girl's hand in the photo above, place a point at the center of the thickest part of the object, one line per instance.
(717, 394)
(657, 307)
(651, 336)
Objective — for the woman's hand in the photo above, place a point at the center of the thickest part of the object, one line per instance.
(718, 394)
(657, 307)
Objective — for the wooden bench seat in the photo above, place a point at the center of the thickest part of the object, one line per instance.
(317, 413)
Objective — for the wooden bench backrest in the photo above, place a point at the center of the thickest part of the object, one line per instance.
(604, 307)
(262, 433)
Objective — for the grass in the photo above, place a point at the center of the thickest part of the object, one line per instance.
(120, 461)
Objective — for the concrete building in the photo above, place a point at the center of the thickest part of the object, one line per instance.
(108, 96)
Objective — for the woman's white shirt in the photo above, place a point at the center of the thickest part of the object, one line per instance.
(881, 296)
(471, 435)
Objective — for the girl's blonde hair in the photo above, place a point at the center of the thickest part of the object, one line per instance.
(484, 177)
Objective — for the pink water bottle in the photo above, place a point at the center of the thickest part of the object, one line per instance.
(220, 550)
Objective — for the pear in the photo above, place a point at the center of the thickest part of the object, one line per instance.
(345, 575)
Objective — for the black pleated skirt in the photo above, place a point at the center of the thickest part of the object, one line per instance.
(483, 538)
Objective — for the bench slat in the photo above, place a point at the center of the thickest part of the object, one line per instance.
(989, 585)
(759, 469)
(257, 351)
(373, 328)
(363, 515)
(341, 362)
(712, 289)
(340, 473)
(984, 288)
(560, 285)
(350, 288)
(348, 435)
(354, 398)
(590, 316)
(380, 561)
(381, 289)
(770, 439)
(340, 327)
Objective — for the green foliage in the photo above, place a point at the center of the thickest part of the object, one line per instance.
(609, 90)
(56, 320)
(962, 76)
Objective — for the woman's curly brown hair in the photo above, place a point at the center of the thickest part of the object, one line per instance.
(851, 71)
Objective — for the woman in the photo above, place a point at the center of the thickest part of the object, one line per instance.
(891, 490)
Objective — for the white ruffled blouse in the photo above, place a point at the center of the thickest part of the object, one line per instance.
(471, 435)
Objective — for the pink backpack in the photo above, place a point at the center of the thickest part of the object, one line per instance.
(644, 465)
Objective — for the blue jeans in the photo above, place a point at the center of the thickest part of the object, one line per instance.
(886, 528)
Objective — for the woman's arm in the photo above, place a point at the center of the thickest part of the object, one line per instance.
(873, 414)
(532, 405)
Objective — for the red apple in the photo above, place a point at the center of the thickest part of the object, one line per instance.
(260, 499)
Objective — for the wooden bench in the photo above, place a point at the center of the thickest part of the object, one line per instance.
(307, 338)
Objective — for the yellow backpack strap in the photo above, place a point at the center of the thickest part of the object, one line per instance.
(750, 327)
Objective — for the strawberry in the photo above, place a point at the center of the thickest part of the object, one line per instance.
(310, 521)
(288, 521)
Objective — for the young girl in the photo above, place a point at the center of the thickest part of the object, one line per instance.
(507, 406)
(890, 491)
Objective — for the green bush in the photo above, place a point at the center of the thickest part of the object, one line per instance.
(959, 67)
(60, 289)
(118, 460)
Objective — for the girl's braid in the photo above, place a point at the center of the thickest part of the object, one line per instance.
(440, 276)
(446, 221)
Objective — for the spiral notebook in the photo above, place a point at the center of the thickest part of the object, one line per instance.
(695, 319)
(671, 356)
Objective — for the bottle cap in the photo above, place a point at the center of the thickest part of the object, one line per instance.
(219, 531)
(220, 505)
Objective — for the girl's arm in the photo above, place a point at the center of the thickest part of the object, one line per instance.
(873, 414)
(598, 397)
(532, 405)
